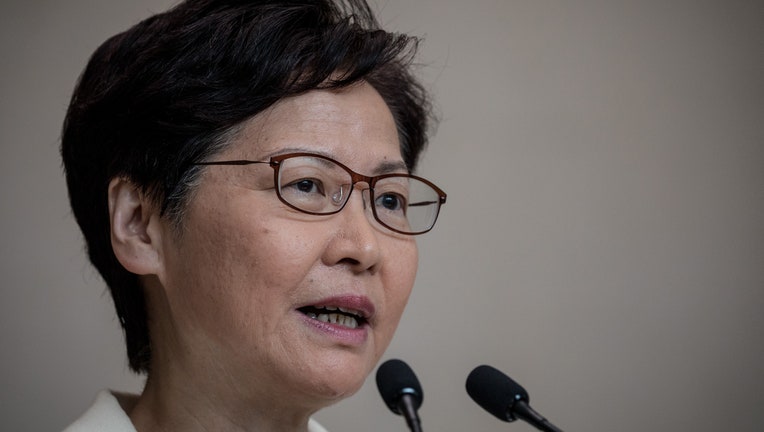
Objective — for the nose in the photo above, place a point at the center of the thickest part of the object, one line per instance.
(355, 242)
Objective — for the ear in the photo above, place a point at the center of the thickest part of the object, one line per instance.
(135, 228)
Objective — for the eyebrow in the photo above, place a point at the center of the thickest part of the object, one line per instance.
(387, 167)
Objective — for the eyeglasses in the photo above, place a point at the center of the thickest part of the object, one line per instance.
(318, 185)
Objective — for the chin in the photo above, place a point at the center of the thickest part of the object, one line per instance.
(340, 380)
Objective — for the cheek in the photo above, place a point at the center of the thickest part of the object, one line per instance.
(286, 254)
(400, 281)
(232, 282)
(210, 266)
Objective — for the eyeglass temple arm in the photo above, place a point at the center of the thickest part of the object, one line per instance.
(232, 162)
(422, 203)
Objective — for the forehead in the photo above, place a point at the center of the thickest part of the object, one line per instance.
(352, 125)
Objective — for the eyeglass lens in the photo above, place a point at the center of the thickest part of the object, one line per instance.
(321, 186)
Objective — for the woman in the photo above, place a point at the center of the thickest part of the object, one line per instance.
(241, 174)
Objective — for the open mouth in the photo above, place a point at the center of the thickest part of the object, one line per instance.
(344, 317)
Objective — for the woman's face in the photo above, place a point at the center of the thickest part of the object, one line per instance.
(247, 281)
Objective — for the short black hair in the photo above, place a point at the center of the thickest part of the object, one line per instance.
(171, 90)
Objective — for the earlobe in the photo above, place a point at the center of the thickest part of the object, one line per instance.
(135, 230)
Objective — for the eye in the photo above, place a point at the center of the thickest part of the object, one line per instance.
(306, 186)
(391, 202)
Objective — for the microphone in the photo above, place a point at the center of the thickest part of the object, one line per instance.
(401, 391)
(501, 396)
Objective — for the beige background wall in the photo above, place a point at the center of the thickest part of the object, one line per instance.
(603, 240)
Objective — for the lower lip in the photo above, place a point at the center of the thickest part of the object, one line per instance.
(340, 334)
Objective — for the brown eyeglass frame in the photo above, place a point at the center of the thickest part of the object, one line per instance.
(275, 163)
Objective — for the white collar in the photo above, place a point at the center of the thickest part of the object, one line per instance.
(107, 414)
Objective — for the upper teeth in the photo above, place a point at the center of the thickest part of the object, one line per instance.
(341, 309)
(337, 318)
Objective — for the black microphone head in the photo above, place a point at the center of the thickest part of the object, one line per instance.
(495, 392)
(395, 379)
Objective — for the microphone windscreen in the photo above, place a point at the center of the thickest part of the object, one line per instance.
(394, 379)
(494, 391)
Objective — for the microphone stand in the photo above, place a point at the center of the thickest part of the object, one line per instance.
(522, 410)
(408, 409)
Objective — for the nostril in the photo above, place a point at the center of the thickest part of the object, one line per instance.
(350, 261)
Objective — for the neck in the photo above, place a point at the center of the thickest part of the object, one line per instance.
(171, 407)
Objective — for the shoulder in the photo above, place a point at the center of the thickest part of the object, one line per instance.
(313, 426)
(105, 415)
